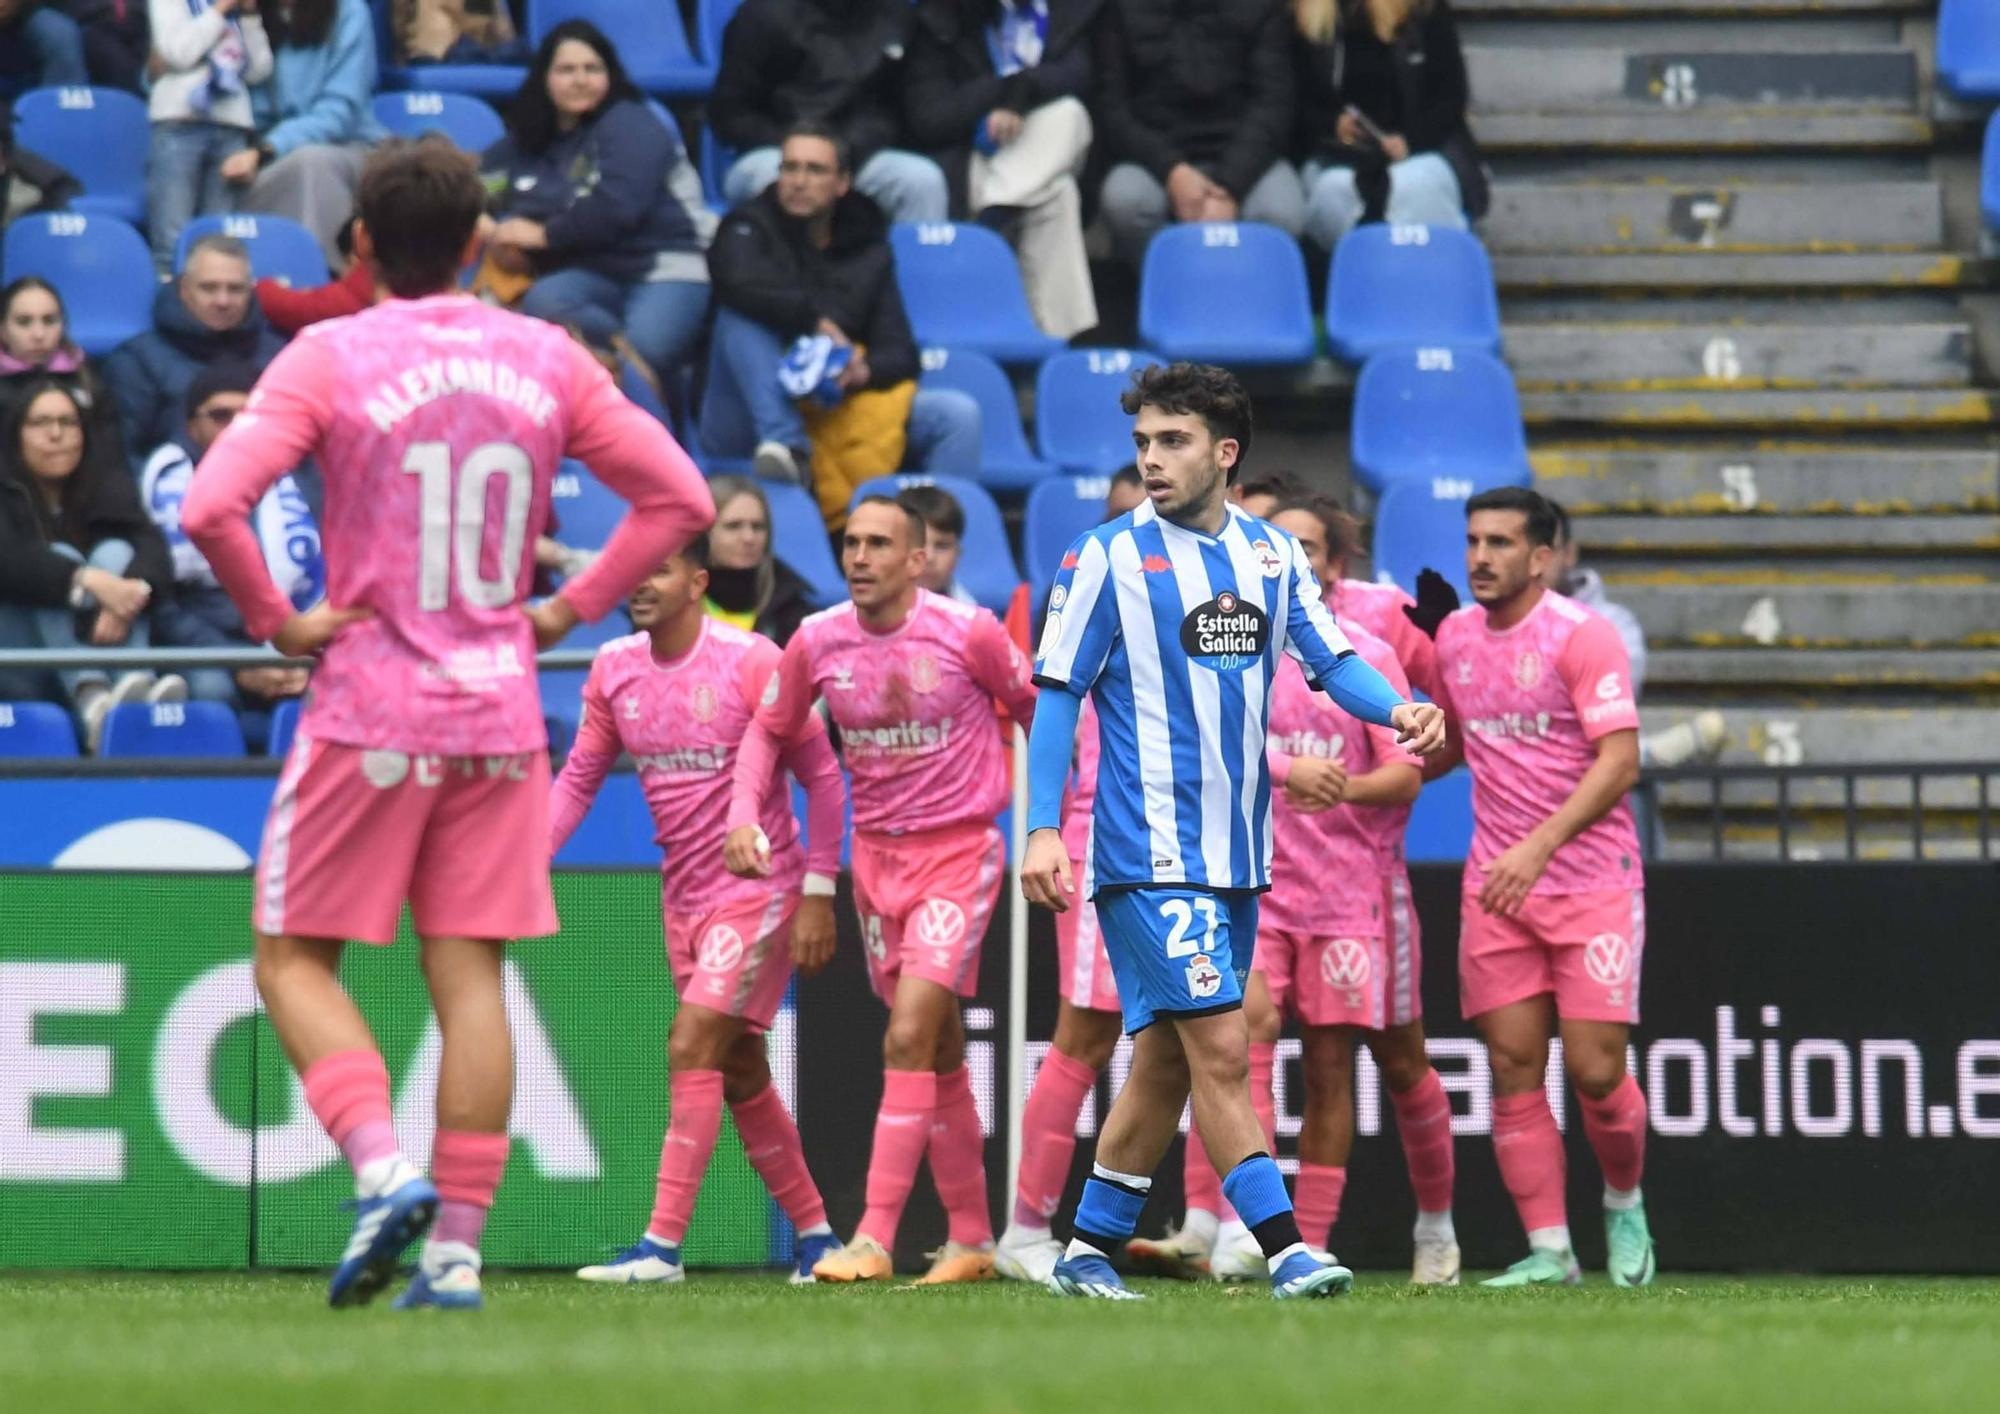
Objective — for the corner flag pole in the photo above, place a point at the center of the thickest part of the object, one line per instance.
(1017, 964)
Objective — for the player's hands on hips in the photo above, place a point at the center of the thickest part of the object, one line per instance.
(1045, 876)
(306, 635)
(747, 855)
(1419, 727)
(1509, 877)
(1314, 783)
(553, 618)
(812, 935)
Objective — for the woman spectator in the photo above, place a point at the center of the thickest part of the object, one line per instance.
(594, 197)
(80, 561)
(994, 90)
(748, 585)
(314, 116)
(35, 348)
(1382, 98)
(206, 53)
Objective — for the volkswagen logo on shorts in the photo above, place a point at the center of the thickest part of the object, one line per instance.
(721, 948)
(1345, 965)
(384, 770)
(1608, 958)
(939, 922)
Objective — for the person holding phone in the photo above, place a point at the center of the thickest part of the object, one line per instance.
(1382, 95)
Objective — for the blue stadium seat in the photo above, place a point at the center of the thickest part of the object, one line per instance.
(586, 510)
(280, 248)
(1989, 174)
(171, 729)
(562, 689)
(1420, 525)
(1006, 461)
(798, 537)
(962, 288)
(711, 19)
(1078, 423)
(1968, 48)
(100, 265)
(469, 122)
(1401, 287)
(716, 159)
(284, 726)
(1438, 412)
(649, 37)
(35, 729)
(101, 135)
(1059, 510)
(493, 81)
(986, 564)
(1230, 292)
(1440, 829)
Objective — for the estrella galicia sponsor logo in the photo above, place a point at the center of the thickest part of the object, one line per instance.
(1227, 634)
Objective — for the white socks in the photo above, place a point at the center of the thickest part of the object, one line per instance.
(1551, 1239)
(383, 1175)
(1620, 1200)
(1435, 1227)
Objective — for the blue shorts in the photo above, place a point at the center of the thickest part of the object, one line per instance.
(1177, 951)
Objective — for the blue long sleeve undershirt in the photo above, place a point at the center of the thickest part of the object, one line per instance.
(1051, 743)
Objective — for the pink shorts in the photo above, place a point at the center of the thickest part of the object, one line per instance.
(1086, 970)
(353, 833)
(924, 901)
(1325, 981)
(734, 958)
(1585, 948)
(1404, 946)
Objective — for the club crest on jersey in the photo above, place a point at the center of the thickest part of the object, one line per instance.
(1528, 669)
(1227, 634)
(1202, 978)
(924, 674)
(1464, 671)
(632, 709)
(703, 704)
(1268, 559)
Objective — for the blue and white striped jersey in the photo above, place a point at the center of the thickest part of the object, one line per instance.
(1175, 635)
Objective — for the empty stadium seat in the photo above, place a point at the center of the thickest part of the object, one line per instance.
(1438, 413)
(101, 135)
(1400, 287)
(171, 729)
(1078, 422)
(962, 289)
(586, 510)
(468, 121)
(280, 248)
(1968, 48)
(1989, 174)
(649, 37)
(1059, 510)
(99, 265)
(1420, 525)
(1006, 461)
(284, 726)
(35, 729)
(986, 564)
(1230, 292)
(798, 537)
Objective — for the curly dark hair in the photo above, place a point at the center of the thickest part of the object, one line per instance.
(1200, 390)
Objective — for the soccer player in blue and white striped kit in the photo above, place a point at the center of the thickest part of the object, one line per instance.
(1171, 618)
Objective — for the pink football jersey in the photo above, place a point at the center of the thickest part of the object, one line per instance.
(438, 424)
(1082, 793)
(1327, 865)
(1531, 701)
(1379, 609)
(914, 706)
(683, 721)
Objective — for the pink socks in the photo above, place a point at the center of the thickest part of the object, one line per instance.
(958, 1160)
(902, 1133)
(771, 1143)
(1198, 1176)
(1316, 1200)
(1530, 1153)
(1048, 1136)
(349, 1093)
(1616, 1129)
(1263, 1059)
(1423, 1121)
(466, 1168)
(694, 1118)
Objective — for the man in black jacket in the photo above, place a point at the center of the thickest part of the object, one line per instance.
(1194, 106)
(809, 255)
(831, 62)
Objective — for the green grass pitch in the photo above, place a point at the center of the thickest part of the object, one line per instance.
(219, 1343)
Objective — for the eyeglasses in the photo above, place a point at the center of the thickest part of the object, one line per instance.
(60, 422)
(221, 417)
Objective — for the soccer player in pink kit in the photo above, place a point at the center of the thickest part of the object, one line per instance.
(678, 695)
(420, 770)
(1539, 693)
(911, 679)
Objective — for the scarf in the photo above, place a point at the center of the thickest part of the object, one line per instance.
(1016, 40)
(67, 358)
(282, 520)
(227, 59)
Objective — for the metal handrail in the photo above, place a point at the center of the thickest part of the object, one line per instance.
(555, 659)
(1849, 774)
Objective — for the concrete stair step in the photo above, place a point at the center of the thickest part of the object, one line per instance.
(1820, 670)
(1669, 83)
(1655, 356)
(1948, 836)
(1702, 129)
(1651, 8)
(1751, 535)
(1541, 217)
(1523, 273)
(1833, 481)
(1826, 411)
(1758, 608)
(1804, 734)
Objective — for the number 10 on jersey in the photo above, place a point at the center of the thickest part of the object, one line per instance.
(458, 523)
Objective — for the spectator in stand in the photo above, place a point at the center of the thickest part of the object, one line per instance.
(594, 197)
(835, 63)
(1261, 496)
(944, 537)
(79, 561)
(1382, 98)
(29, 183)
(207, 316)
(749, 585)
(206, 54)
(35, 347)
(199, 613)
(1127, 492)
(116, 42)
(314, 116)
(454, 32)
(809, 256)
(40, 47)
(289, 310)
(1194, 109)
(995, 91)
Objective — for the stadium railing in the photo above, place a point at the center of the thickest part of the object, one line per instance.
(1946, 804)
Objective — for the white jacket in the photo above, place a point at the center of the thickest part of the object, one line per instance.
(182, 39)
